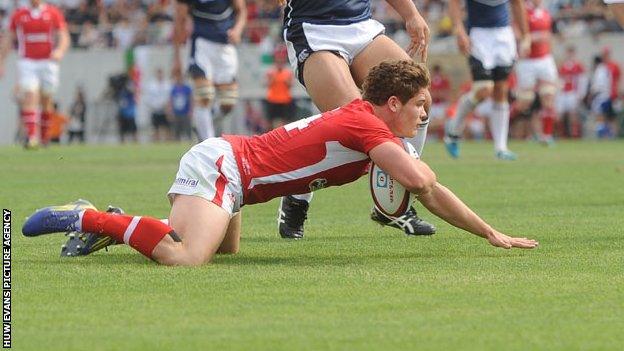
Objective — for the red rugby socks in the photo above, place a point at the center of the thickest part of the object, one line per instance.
(141, 233)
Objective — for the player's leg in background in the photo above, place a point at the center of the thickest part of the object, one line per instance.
(48, 72)
(547, 113)
(227, 97)
(383, 48)
(29, 86)
(204, 93)
(380, 49)
(202, 72)
(224, 61)
(499, 120)
(330, 85)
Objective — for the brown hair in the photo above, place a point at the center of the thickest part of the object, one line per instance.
(402, 78)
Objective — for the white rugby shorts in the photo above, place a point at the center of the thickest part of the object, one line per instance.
(567, 101)
(209, 170)
(217, 62)
(530, 71)
(33, 75)
(493, 47)
(346, 40)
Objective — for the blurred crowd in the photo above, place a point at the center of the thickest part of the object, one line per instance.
(126, 23)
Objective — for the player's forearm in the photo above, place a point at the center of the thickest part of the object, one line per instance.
(63, 42)
(241, 15)
(180, 21)
(446, 205)
(5, 46)
(519, 14)
(455, 13)
(405, 8)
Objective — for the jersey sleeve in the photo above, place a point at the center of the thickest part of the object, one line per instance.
(59, 19)
(187, 2)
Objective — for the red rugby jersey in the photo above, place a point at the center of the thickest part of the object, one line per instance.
(570, 72)
(325, 150)
(540, 26)
(35, 28)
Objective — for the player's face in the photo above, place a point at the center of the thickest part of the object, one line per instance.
(413, 113)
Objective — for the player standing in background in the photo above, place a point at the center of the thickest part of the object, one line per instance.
(615, 73)
(491, 49)
(219, 175)
(332, 44)
(42, 39)
(440, 99)
(213, 63)
(573, 91)
(537, 73)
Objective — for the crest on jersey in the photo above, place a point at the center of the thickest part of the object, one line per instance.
(318, 183)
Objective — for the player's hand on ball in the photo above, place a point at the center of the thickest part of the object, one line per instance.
(499, 239)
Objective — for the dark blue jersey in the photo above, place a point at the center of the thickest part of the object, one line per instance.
(487, 13)
(211, 18)
(337, 12)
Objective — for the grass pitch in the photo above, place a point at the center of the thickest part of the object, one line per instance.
(349, 284)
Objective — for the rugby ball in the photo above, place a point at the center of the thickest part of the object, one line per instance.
(389, 196)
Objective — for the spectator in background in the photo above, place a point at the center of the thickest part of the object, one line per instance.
(77, 114)
(123, 34)
(57, 125)
(615, 74)
(441, 96)
(181, 104)
(279, 81)
(127, 111)
(157, 95)
(600, 97)
(574, 88)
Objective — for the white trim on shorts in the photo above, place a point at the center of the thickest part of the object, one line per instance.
(200, 175)
(611, 2)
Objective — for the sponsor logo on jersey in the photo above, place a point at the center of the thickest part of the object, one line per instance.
(186, 182)
(317, 184)
(37, 37)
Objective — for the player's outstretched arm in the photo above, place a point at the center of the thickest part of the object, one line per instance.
(446, 205)
(419, 179)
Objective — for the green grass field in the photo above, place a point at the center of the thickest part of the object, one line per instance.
(349, 284)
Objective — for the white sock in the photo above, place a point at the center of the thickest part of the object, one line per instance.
(499, 125)
(203, 122)
(464, 107)
(306, 197)
(419, 140)
(78, 224)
